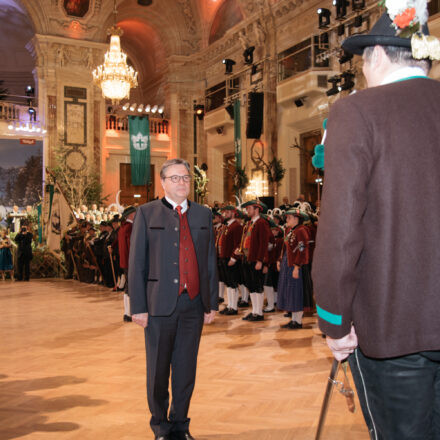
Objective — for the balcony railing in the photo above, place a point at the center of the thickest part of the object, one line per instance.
(17, 113)
(120, 123)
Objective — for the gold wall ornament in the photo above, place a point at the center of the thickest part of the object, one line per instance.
(115, 76)
(425, 46)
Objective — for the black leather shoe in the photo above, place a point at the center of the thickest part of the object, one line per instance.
(231, 312)
(127, 318)
(269, 311)
(243, 303)
(181, 435)
(224, 311)
(247, 317)
(163, 437)
(292, 325)
(288, 315)
(255, 318)
(221, 300)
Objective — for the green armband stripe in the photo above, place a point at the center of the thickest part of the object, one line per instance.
(329, 317)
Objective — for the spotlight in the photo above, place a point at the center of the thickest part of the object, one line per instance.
(358, 5)
(341, 8)
(324, 18)
(199, 110)
(154, 109)
(358, 21)
(10, 127)
(299, 102)
(341, 30)
(161, 109)
(228, 65)
(29, 91)
(147, 108)
(345, 57)
(334, 80)
(31, 111)
(248, 55)
(140, 108)
(125, 106)
(348, 83)
(132, 107)
(230, 109)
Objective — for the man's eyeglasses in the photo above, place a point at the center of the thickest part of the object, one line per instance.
(176, 179)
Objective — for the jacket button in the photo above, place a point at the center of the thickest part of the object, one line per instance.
(176, 228)
(176, 280)
(175, 244)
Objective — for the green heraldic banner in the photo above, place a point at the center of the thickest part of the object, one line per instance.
(237, 134)
(139, 149)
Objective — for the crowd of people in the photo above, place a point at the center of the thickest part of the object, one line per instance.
(264, 256)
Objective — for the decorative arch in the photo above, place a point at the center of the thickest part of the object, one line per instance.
(227, 16)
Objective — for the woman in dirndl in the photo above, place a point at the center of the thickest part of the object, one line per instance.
(294, 256)
(6, 264)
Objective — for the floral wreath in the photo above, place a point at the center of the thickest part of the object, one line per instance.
(408, 17)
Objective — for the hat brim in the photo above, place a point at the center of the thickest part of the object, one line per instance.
(357, 43)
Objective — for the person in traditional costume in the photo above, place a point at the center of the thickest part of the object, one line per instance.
(6, 262)
(294, 257)
(377, 258)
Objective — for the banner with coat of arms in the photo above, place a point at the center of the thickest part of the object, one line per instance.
(140, 149)
(237, 134)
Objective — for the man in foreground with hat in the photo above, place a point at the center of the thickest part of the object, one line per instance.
(124, 234)
(377, 261)
(255, 248)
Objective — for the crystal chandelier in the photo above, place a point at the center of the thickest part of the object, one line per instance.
(115, 77)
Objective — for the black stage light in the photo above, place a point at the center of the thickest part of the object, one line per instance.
(230, 109)
(348, 83)
(228, 65)
(358, 5)
(199, 110)
(248, 55)
(299, 102)
(341, 8)
(345, 57)
(341, 30)
(358, 21)
(334, 90)
(324, 18)
(145, 2)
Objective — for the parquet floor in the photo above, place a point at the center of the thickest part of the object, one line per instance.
(71, 369)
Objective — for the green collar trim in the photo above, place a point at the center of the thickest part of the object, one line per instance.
(411, 77)
(329, 317)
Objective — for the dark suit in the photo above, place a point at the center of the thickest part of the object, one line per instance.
(175, 321)
(24, 254)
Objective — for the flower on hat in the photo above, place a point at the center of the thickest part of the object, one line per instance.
(407, 13)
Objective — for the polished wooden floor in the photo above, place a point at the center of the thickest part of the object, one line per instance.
(71, 369)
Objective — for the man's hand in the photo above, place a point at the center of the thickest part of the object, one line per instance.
(295, 273)
(231, 262)
(140, 319)
(265, 269)
(209, 317)
(278, 265)
(342, 348)
(258, 265)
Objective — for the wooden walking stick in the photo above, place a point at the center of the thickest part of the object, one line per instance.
(74, 264)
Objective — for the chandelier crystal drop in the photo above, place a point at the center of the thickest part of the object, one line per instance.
(115, 76)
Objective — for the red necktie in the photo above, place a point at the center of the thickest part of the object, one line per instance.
(179, 210)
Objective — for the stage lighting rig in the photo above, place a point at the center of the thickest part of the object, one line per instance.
(229, 64)
(341, 8)
(358, 5)
(334, 90)
(248, 55)
(199, 110)
(324, 18)
(348, 82)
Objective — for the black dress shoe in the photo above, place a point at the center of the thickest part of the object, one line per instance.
(288, 315)
(231, 312)
(224, 311)
(221, 300)
(255, 318)
(247, 317)
(127, 318)
(163, 437)
(292, 325)
(181, 435)
(269, 311)
(243, 303)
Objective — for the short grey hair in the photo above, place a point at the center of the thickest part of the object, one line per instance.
(400, 55)
(171, 162)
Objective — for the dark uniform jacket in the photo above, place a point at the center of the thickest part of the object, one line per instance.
(377, 257)
(153, 270)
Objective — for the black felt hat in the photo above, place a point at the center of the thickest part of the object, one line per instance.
(383, 33)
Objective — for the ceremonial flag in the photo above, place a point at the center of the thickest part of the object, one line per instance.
(47, 203)
(139, 129)
(61, 218)
(237, 134)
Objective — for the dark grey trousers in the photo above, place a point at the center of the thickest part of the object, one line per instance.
(400, 397)
(172, 343)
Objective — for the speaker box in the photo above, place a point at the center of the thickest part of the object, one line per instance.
(255, 115)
